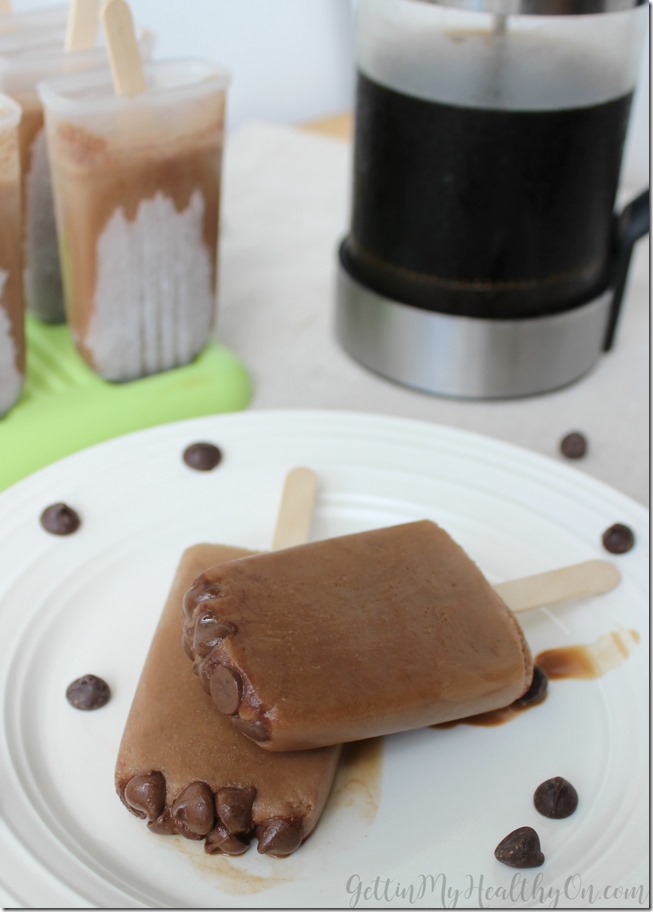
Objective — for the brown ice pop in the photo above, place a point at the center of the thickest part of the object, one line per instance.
(354, 637)
(187, 770)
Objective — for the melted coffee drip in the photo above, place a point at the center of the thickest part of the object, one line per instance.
(579, 662)
(591, 660)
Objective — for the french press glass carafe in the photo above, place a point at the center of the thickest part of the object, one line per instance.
(484, 257)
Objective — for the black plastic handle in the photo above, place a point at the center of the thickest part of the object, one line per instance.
(632, 224)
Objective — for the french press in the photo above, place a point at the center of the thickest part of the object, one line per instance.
(485, 258)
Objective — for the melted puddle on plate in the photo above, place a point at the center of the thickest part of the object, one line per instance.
(358, 780)
(579, 662)
(591, 660)
(357, 788)
(230, 875)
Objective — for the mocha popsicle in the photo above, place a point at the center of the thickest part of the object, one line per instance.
(136, 182)
(187, 770)
(354, 637)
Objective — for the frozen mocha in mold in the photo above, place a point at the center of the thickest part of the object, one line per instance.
(25, 60)
(12, 331)
(354, 637)
(137, 192)
(185, 769)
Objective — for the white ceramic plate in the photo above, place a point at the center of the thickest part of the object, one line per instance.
(89, 602)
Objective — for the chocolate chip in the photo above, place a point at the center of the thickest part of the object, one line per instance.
(209, 630)
(556, 798)
(202, 456)
(256, 729)
(163, 825)
(193, 811)
(618, 539)
(234, 807)
(145, 795)
(60, 519)
(520, 849)
(221, 842)
(573, 445)
(225, 687)
(201, 591)
(279, 836)
(537, 691)
(88, 692)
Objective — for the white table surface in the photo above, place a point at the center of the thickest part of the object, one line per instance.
(285, 209)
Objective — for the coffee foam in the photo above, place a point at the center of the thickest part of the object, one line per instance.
(145, 318)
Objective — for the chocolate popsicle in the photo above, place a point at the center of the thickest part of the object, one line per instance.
(355, 637)
(185, 768)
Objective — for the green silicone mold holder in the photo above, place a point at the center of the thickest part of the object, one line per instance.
(65, 407)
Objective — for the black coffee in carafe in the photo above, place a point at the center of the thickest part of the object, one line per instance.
(486, 164)
(499, 213)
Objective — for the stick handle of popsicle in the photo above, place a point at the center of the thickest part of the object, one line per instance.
(124, 54)
(5, 7)
(296, 509)
(566, 584)
(81, 28)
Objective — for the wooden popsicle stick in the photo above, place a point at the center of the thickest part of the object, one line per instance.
(81, 29)
(566, 584)
(124, 54)
(296, 509)
(5, 8)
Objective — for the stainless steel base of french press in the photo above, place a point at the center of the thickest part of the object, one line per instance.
(468, 357)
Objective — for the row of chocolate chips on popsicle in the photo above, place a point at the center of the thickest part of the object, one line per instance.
(223, 819)
(203, 634)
